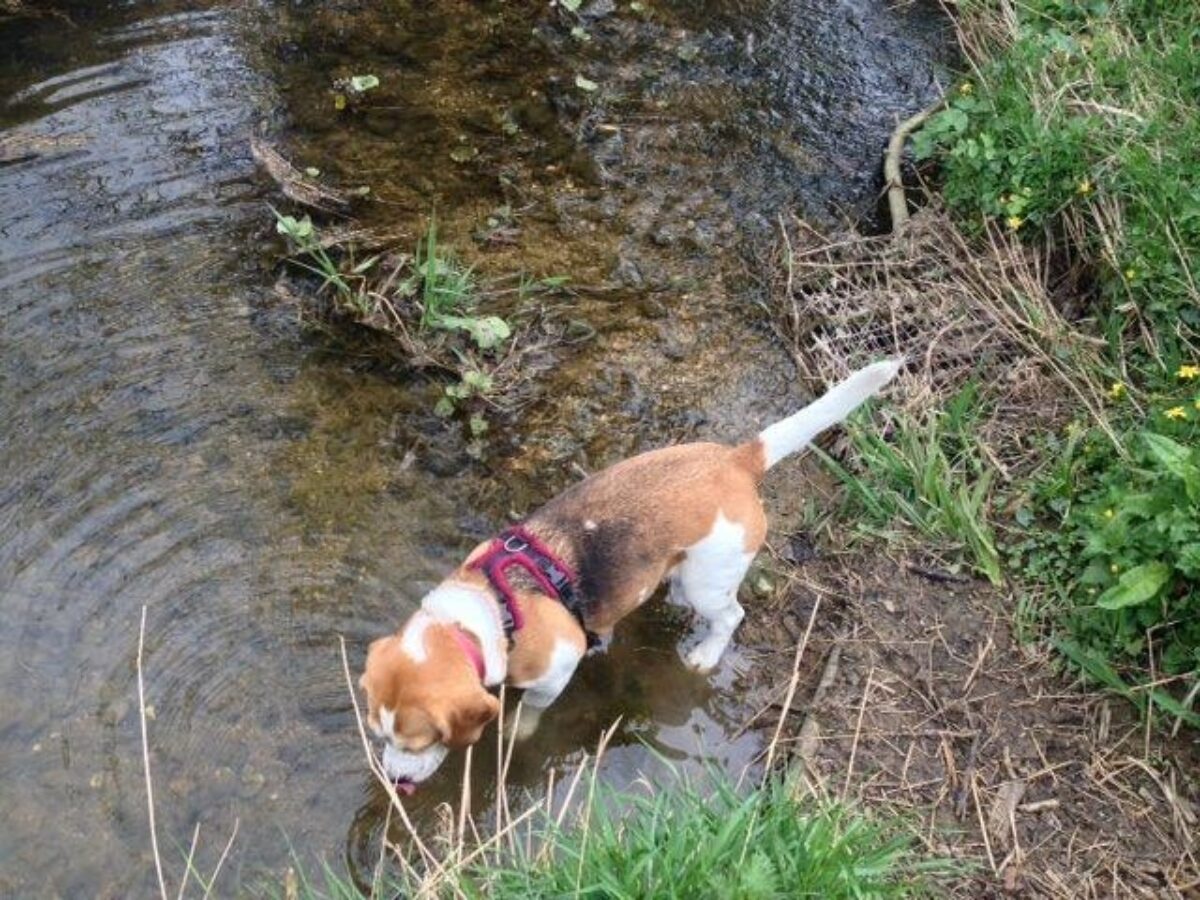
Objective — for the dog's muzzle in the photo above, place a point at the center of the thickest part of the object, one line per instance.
(407, 770)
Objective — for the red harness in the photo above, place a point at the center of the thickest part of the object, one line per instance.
(516, 546)
(471, 650)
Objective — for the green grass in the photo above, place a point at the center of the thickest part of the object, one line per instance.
(1081, 118)
(692, 843)
(447, 287)
(689, 842)
(929, 473)
(1076, 128)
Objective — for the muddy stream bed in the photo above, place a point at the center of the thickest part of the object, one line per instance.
(171, 437)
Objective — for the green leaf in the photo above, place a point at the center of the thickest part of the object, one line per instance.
(580, 34)
(1097, 667)
(444, 408)
(486, 331)
(480, 381)
(463, 153)
(362, 83)
(478, 425)
(585, 84)
(954, 120)
(572, 5)
(297, 229)
(1173, 456)
(1189, 560)
(1139, 584)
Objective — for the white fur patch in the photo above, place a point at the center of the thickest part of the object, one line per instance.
(540, 692)
(415, 767)
(474, 610)
(707, 581)
(387, 723)
(796, 431)
(413, 639)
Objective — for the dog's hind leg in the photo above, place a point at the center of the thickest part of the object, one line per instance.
(708, 580)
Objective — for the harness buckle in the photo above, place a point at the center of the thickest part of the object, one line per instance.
(519, 546)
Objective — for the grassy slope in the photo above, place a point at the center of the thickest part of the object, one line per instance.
(1076, 130)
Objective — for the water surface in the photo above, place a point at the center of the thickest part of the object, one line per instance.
(171, 438)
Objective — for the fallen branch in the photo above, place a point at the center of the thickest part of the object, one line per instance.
(809, 735)
(897, 204)
(292, 181)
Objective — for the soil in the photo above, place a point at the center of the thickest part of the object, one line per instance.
(932, 710)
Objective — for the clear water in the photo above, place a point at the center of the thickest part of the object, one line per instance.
(171, 439)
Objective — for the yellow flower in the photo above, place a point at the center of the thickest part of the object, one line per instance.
(1114, 568)
(1084, 187)
(1108, 513)
(1176, 412)
(1014, 222)
(1187, 373)
(965, 88)
(1130, 273)
(1197, 404)
(1117, 391)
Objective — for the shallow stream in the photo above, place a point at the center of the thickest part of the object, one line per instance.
(170, 437)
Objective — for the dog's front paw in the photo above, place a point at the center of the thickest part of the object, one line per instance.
(524, 725)
(701, 659)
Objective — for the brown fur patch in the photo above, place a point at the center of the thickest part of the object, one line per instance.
(438, 699)
(625, 528)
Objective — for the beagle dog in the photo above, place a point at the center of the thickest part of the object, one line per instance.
(522, 608)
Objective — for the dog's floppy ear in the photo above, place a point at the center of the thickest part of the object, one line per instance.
(464, 723)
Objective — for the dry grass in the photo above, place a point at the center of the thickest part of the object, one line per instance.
(189, 868)
(958, 311)
(1130, 83)
(928, 711)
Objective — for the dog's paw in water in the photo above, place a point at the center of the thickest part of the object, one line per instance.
(523, 724)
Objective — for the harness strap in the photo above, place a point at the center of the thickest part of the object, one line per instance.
(516, 546)
(471, 651)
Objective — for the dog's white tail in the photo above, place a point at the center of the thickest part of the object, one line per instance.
(796, 431)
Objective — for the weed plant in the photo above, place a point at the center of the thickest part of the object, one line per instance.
(929, 472)
(715, 843)
(1082, 118)
(1116, 539)
(1077, 127)
(423, 301)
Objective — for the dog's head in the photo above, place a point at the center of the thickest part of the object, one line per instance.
(424, 697)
